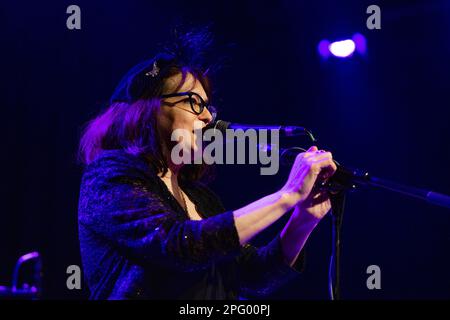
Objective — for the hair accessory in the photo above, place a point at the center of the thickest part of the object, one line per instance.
(154, 72)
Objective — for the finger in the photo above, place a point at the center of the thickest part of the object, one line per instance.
(334, 166)
(311, 152)
(327, 172)
(325, 164)
(324, 175)
(331, 168)
(320, 156)
(314, 152)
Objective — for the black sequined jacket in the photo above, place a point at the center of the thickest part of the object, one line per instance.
(136, 241)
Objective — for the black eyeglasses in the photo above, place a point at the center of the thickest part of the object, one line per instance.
(195, 100)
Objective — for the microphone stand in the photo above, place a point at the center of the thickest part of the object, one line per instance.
(337, 213)
(343, 180)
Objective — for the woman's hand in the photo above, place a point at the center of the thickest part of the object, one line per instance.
(258, 215)
(311, 203)
(310, 167)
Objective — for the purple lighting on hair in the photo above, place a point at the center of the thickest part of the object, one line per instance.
(343, 48)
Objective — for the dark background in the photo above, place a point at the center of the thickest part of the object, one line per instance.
(385, 112)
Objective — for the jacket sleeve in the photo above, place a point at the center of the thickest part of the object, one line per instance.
(263, 270)
(119, 204)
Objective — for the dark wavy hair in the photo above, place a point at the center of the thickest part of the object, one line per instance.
(129, 121)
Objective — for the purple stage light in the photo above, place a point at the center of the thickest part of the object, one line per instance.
(360, 43)
(343, 48)
(323, 48)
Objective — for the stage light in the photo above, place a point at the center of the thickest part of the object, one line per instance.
(343, 48)
(360, 43)
(323, 48)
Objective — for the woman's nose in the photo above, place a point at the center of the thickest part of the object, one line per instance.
(205, 116)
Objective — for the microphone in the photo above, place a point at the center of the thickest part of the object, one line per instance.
(343, 178)
(286, 131)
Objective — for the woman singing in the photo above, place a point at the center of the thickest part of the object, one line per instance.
(150, 229)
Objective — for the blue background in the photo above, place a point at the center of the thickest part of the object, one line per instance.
(386, 112)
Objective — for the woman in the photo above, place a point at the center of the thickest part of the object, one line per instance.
(150, 228)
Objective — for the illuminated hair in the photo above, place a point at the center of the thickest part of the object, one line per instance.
(129, 121)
